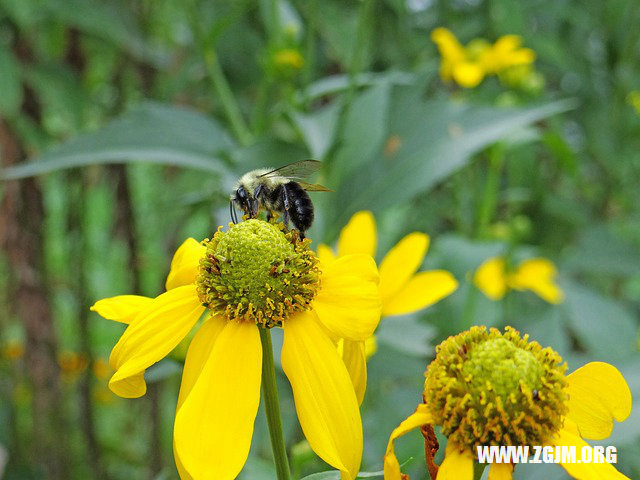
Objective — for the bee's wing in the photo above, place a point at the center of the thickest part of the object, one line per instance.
(311, 187)
(295, 170)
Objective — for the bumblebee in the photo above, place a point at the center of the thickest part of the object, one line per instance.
(278, 190)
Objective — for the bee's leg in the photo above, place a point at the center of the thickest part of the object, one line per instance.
(232, 212)
(285, 203)
(256, 200)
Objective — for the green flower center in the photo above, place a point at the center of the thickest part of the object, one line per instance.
(256, 272)
(492, 388)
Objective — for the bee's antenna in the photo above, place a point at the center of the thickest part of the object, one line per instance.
(232, 212)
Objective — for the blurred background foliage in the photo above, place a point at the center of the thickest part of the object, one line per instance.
(123, 126)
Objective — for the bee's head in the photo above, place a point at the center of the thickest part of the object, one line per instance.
(242, 198)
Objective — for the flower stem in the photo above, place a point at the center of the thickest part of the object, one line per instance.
(272, 406)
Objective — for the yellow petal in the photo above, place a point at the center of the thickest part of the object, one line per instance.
(199, 352)
(122, 308)
(359, 235)
(598, 393)
(457, 464)
(370, 346)
(491, 279)
(500, 471)
(423, 290)
(401, 262)
(348, 303)
(214, 425)
(584, 471)
(416, 419)
(184, 266)
(325, 254)
(156, 331)
(355, 359)
(450, 48)
(537, 275)
(468, 74)
(325, 401)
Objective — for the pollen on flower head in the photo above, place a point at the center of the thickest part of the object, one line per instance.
(257, 272)
(492, 388)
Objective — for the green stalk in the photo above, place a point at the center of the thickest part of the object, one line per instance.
(272, 407)
(491, 191)
(219, 81)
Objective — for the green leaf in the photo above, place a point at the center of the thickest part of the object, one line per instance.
(335, 475)
(364, 130)
(10, 87)
(151, 133)
(318, 128)
(606, 328)
(427, 142)
(104, 21)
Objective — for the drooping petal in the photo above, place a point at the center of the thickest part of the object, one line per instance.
(214, 425)
(359, 235)
(348, 303)
(457, 464)
(184, 266)
(537, 275)
(199, 352)
(584, 471)
(422, 290)
(156, 331)
(122, 308)
(416, 419)
(598, 393)
(355, 359)
(500, 471)
(491, 278)
(401, 262)
(325, 401)
(325, 254)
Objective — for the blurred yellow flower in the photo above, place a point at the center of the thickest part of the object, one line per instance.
(12, 350)
(469, 65)
(288, 58)
(402, 290)
(634, 100)
(488, 388)
(101, 368)
(535, 274)
(72, 363)
(240, 276)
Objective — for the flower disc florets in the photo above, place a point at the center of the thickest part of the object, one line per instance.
(492, 388)
(257, 272)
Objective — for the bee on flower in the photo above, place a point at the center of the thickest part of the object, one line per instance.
(245, 281)
(491, 388)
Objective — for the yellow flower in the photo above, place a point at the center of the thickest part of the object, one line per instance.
(535, 274)
(402, 290)
(469, 65)
(501, 389)
(240, 275)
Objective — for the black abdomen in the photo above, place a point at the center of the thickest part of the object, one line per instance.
(300, 206)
